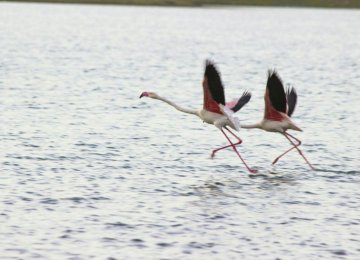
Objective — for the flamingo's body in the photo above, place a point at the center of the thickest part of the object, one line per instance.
(279, 107)
(215, 111)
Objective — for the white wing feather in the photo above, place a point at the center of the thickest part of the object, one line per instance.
(230, 115)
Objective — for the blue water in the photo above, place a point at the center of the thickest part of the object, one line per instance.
(89, 170)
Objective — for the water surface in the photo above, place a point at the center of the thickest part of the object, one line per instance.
(90, 171)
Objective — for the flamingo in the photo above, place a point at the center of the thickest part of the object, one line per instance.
(215, 111)
(279, 106)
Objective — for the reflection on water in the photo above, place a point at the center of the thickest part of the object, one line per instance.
(85, 163)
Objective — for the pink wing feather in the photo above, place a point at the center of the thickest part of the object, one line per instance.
(209, 103)
(231, 104)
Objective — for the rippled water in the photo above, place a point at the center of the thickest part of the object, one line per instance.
(90, 171)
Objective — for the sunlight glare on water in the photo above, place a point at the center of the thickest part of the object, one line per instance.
(86, 164)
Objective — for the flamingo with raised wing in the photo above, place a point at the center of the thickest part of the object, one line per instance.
(215, 111)
(279, 106)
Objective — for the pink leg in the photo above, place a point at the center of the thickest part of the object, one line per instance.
(227, 146)
(298, 149)
(236, 151)
(295, 146)
(281, 155)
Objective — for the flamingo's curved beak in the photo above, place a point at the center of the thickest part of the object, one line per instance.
(144, 94)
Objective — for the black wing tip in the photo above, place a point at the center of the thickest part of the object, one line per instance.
(210, 69)
(271, 72)
(210, 66)
(243, 100)
(274, 79)
(291, 99)
(209, 62)
(246, 93)
(273, 75)
(290, 90)
(214, 82)
(246, 96)
(276, 91)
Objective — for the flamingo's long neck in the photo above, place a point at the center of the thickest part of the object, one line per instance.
(182, 109)
(251, 126)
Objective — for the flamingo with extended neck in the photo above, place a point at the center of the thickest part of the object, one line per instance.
(279, 107)
(215, 111)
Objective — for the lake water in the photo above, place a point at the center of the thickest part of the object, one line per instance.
(89, 170)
